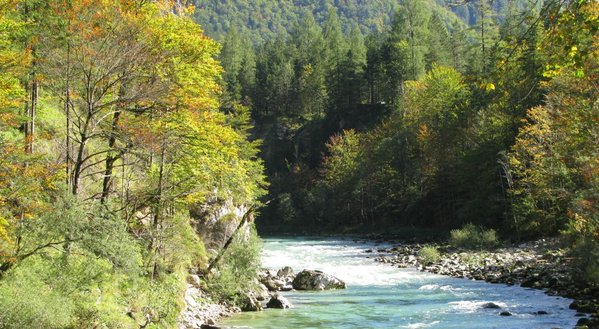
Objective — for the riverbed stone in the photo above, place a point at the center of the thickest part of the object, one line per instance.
(491, 305)
(316, 280)
(210, 324)
(582, 322)
(251, 304)
(262, 292)
(194, 280)
(285, 272)
(278, 301)
(505, 313)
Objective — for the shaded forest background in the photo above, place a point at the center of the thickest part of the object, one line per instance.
(379, 115)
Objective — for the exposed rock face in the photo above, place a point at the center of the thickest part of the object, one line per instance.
(216, 220)
(277, 301)
(316, 280)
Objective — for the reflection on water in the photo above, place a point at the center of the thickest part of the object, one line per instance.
(381, 296)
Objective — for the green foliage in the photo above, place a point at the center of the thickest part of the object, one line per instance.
(447, 143)
(410, 29)
(343, 160)
(13, 61)
(86, 293)
(586, 264)
(88, 267)
(239, 270)
(28, 302)
(473, 237)
(71, 226)
(429, 255)
(95, 230)
(266, 19)
(553, 159)
(286, 211)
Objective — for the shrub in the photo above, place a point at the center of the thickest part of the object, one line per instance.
(95, 281)
(27, 302)
(428, 255)
(239, 269)
(474, 237)
(586, 264)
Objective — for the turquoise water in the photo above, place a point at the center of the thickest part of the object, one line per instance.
(382, 296)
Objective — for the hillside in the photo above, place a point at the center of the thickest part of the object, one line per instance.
(265, 19)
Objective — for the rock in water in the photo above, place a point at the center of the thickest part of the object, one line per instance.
(277, 301)
(285, 272)
(316, 280)
(209, 326)
(490, 305)
(251, 304)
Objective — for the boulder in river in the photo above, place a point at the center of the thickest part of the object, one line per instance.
(209, 326)
(490, 305)
(278, 301)
(316, 280)
(251, 304)
(277, 281)
(285, 272)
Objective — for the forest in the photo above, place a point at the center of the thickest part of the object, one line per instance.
(111, 134)
(123, 125)
(431, 124)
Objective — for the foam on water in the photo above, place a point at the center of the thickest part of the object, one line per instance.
(383, 296)
(420, 325)
(346, 260)
(470, 306)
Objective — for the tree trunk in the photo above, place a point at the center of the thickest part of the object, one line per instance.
(111, 158)
(67, 112)
(155, 246)
(78, 164)
(30, 131)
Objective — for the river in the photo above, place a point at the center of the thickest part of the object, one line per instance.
(382, 296)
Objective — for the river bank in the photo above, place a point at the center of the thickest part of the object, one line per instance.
(200, 311)
(412, 295)
(539, 265)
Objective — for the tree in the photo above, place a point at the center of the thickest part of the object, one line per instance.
(352, 72)
(411, 24)
(274, 78)
(487, 36)
(238, 60)
(552, 161)
(335, 53)
(309, 85)
(438, 43)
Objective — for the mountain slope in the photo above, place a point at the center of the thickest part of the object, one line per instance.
(265, 19)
